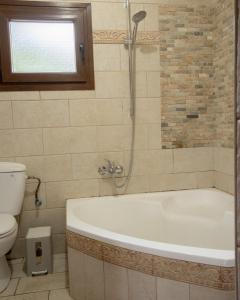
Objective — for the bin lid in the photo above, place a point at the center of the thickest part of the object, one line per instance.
(38, 232)
(7, 223)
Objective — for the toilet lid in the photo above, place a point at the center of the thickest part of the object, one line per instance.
(7, 223)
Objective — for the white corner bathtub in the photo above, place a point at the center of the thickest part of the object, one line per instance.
(191, 225)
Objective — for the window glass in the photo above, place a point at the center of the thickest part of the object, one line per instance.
(42, 46)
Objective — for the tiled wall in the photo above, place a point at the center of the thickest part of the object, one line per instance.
(63, 137)
(197, 74)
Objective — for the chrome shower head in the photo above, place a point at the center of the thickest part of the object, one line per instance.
(139, 16)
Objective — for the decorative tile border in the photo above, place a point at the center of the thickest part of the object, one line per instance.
(194, 273)
(120, 36)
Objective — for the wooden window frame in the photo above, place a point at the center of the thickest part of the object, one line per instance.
(79, 14)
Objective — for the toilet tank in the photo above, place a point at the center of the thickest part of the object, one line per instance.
(12, 187)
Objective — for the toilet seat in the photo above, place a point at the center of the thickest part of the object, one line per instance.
(8, 224)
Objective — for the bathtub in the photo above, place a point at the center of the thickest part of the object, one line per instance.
(192, 225)
(184, 235)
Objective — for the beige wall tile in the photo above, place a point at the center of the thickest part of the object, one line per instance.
(22, 96)
(153, 84)
(171, 290)
(109, 62)
(4, 96)
(193, 159)
(160, 162)
(205, 179)
(141, 137)
(54, 95)
(69, 140)
(224, 182)
(6, 120)
(102, 19)
(83, 139)
(147, 58)
(57, 168)
(27, 114)
(20, 142)
(224, 160)
(154, 136)
(83, 112)
(141, 161)
(141, 286)
(109, 111)
(55, 113)
(148, 110)
(116, 282)
(152, 18)
(110, 138)
(85, 165)
(137, 184)
(46, 217)
(28, 142)
(112, 84)
(29, 197)
(58, 192)
(56, 140)
(199, 293)
(172, 182)
(34, 165)
(7, 143)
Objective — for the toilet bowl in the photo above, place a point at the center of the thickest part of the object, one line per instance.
(8, 234)
(12, 187)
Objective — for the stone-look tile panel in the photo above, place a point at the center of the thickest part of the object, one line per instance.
(197, 74)
(224, 56)
(195, 273)
(127, 258)
(178, 270)
(84, 245)
(186, 60)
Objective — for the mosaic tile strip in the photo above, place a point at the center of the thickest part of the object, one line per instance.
(200, 274)
(197, 74)
(120, 36)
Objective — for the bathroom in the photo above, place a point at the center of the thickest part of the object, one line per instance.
(141, 135)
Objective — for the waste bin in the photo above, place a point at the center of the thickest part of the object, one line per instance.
(39, 251)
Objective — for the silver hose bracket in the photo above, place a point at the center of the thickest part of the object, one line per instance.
(38, 202)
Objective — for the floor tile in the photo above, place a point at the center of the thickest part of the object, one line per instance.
(18, 270)
(31, 296)
(42, 283)
(10, 290)
(59, 263)
(62, 294)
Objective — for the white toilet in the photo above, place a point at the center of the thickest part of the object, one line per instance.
(12, 186)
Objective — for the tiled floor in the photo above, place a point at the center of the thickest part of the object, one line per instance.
(49, 287)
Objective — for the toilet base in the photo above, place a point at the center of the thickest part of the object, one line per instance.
(5, 273)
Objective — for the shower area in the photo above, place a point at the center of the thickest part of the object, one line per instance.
(161, 117)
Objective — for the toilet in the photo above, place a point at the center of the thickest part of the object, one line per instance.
(12, 187)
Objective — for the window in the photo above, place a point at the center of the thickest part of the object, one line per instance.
(45, 46)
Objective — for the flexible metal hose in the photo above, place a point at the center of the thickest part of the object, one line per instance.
(132, 88)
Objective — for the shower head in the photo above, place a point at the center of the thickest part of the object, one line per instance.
(139, 16)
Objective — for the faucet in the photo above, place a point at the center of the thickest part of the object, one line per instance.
(110, 169)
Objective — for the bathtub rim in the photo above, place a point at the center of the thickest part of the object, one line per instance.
(223, 258)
